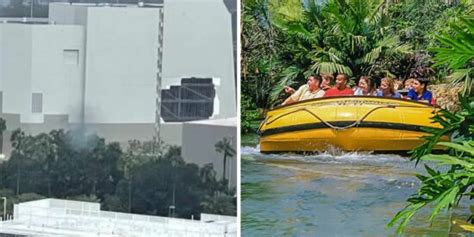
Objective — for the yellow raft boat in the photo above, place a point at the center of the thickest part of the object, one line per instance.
(352, 123)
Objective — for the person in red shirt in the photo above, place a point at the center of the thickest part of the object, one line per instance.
(341, 88)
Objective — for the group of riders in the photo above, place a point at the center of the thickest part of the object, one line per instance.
(320, 86)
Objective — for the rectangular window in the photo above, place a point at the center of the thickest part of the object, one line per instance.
(37, 103)
(71, 56)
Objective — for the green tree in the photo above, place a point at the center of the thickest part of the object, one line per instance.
(221, 205)
(137, 154)
(3, 127)
(259, 56)
(338, 36)
(227, 149)
(18, 140)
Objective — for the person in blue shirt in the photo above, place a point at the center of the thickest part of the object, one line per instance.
(387, 88)
(420, 92)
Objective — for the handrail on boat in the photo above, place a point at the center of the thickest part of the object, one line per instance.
(329, 124)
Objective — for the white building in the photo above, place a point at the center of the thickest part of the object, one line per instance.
(55, 217)
(100, 66)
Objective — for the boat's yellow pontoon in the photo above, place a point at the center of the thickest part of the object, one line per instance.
(352, 123)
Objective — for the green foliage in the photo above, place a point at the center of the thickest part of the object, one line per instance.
(336, 37)
(248, 115)
(457, 52)
(3, 125)
(419, 23)
(71, 165)
(283, 42)
(445, 188)
(227, 149)
(220, 205)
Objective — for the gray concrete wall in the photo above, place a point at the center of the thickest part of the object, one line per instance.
(121, 65)
(56, 73)
(172, 133)
(15, 76)
(66, 14)
(198, 42)
(32, 59)
(199, 142)
(114, 75)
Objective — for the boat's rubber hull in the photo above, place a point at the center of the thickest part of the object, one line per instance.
(347, 123)
(353, 139)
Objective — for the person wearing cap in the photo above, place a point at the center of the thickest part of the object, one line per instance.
(341, 88)
(308, 91)
(419, 91)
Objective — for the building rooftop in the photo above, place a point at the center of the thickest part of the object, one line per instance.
(56, 217)
(228, 122)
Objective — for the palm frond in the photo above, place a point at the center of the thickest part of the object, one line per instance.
(458, 50)
(390, 45)
(330, 67)
(288, 78)
(286, 10)
(466, 76)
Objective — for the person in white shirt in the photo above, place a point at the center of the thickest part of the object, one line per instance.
(308, 91)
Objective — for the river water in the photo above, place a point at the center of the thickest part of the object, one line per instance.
(332, 194)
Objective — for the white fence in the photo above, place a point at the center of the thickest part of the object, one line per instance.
(84, 219)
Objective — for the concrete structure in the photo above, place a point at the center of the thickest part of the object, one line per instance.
(199, 140)
(55, 217)
(101, 67)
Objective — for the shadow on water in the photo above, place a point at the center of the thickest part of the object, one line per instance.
(330, 194)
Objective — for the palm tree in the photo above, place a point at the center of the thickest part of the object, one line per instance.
(208, 178)
(225, 147)
(339, 36)
(18, 140)
(3, 127)
(45, 153)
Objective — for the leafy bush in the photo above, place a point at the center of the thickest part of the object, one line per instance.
(248, 116)
(444, 189)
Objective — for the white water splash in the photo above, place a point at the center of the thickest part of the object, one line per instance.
(331, 156)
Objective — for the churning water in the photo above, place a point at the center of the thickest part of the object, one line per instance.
(330, 194)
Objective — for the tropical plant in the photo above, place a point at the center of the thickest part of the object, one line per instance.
(248, 115)
(259, 57)
(445, 188)
(418, 21)
(457, 51)
(227, 149)
(3, 127)
(339, 36)
(222, 205)
(77, 166)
